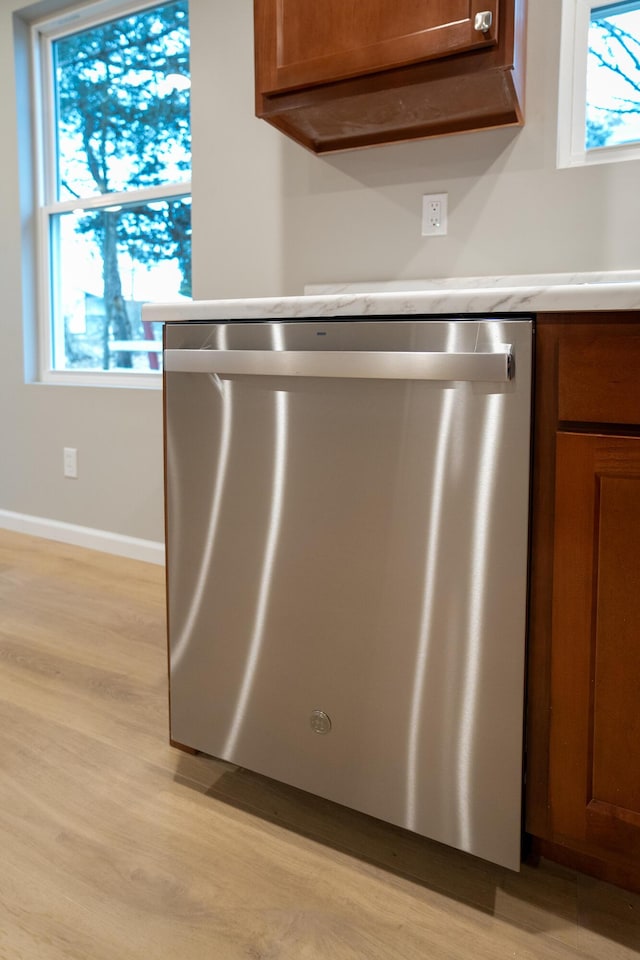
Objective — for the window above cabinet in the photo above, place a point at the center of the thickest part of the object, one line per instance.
(599, 101)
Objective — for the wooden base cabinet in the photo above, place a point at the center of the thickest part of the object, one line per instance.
(583, 783)
(594, 757)
(337, 75)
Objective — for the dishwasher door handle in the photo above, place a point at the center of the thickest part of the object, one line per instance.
(345, 364)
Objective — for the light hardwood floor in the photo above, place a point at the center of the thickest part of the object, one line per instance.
(114, 845)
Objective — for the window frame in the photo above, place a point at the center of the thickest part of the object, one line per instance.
(44, 32)
(572, 96)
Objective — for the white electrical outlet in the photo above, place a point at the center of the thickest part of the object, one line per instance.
(434, 214)
(70, 460)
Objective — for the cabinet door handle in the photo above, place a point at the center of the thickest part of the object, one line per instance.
(483, 21)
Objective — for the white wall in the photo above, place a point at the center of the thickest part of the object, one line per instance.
(276, 217)
(268, 218)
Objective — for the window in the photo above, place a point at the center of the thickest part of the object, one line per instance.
(599, 115)
(115, 158)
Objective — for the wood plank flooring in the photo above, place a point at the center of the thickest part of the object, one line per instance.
(115, 845)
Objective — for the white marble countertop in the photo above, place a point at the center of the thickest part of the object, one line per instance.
(560, 292)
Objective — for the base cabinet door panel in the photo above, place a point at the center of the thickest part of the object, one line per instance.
(594, 759)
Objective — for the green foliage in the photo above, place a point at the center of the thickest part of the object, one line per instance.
(599, 131)
(122, 115)
(614, 72)
(116, 101)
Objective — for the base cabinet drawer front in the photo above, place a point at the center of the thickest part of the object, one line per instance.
(594, 759)
(599, 376)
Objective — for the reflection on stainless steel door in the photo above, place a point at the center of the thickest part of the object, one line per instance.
(347, 515)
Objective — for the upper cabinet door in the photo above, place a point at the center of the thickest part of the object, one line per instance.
(307, 42)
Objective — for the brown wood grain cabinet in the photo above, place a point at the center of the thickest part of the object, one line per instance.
(583, 730)
(339, 74)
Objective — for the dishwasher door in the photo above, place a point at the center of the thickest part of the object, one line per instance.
(347, 529)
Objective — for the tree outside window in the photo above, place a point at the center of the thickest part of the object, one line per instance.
(613, 75)
(116, 220)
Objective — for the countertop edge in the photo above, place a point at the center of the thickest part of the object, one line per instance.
(600, 296)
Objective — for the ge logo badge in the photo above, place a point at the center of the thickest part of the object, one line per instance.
(320, 722)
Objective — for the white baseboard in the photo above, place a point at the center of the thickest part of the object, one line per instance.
(150, 551)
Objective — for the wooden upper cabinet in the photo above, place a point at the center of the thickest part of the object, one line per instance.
(338, 74)
(313, 41)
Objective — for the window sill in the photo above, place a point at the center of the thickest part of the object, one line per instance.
(98, 378)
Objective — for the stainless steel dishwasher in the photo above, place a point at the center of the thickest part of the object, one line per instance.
(347, 530)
